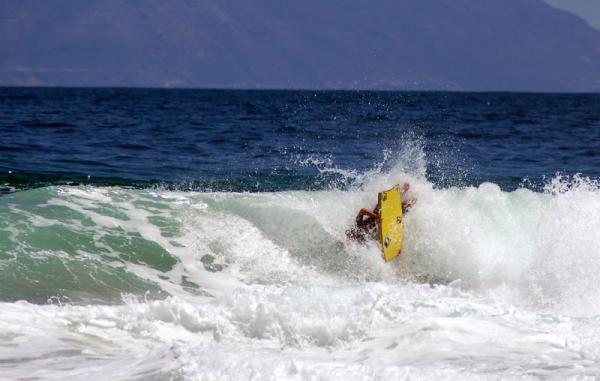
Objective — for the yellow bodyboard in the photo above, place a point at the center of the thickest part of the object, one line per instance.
(391, 228)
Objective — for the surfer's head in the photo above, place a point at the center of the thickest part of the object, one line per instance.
(405, 186)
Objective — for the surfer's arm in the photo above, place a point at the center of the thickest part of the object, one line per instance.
(366, 212)
(411, 202)
(406, 205)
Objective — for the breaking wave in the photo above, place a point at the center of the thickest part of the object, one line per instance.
(200, 282)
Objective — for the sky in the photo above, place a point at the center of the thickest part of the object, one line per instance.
(588, 10)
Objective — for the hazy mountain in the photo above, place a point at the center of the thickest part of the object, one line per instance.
(381, 44)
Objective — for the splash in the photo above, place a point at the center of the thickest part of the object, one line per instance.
(540, 248)
(404, 160)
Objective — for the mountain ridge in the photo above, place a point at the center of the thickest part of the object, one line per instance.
(496, 45)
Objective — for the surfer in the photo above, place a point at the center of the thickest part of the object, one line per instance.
(366, 222)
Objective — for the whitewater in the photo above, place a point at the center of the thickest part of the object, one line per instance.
(152, 284)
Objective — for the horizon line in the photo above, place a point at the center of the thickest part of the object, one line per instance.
(314, 90)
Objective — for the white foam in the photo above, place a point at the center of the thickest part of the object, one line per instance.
(544, 247)
(515, 294)
(365, 331)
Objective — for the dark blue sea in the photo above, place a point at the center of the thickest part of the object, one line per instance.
(280, 140)
(201, 235)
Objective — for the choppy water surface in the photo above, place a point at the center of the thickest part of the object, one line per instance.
(183, 235)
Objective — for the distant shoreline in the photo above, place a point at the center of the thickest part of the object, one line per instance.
(304, 90)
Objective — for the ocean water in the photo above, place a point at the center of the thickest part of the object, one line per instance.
(199, 235)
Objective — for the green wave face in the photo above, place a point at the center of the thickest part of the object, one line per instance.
(83, 246)
(94, 244)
